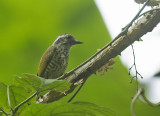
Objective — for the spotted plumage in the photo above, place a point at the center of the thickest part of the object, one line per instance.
(55, 60)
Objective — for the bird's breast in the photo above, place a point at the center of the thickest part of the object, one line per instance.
(58, 64)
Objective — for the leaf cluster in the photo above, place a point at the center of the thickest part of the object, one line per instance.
(20, 98)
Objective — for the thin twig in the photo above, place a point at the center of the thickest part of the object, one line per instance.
(125, 29)
(134, 100)
(3, 111)
(77, 91)
(135, 66)
(142, 93)
(148, 11)
(147, 101)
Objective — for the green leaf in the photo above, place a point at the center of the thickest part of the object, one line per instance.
(28, 80)
(41, 85)
(3, 96)
(66, 109)
(54, 84)
(1, 113)
(17, 95)
(21, 82)
(99, 110)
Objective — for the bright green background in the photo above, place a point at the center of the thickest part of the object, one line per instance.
(28, 27)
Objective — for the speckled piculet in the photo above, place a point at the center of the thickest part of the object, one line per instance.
(55, 59)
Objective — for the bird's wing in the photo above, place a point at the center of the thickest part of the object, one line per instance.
(46, 58)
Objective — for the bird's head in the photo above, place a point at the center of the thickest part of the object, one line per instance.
(66, 40)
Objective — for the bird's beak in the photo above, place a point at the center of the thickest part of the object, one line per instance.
(77, 42)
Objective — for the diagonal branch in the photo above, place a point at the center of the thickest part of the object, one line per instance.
(144, 25)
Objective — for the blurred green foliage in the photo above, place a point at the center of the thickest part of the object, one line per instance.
(28, 27)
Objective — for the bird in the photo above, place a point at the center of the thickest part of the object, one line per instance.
(54, 61)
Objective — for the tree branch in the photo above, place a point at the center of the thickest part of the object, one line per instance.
(115, 47)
